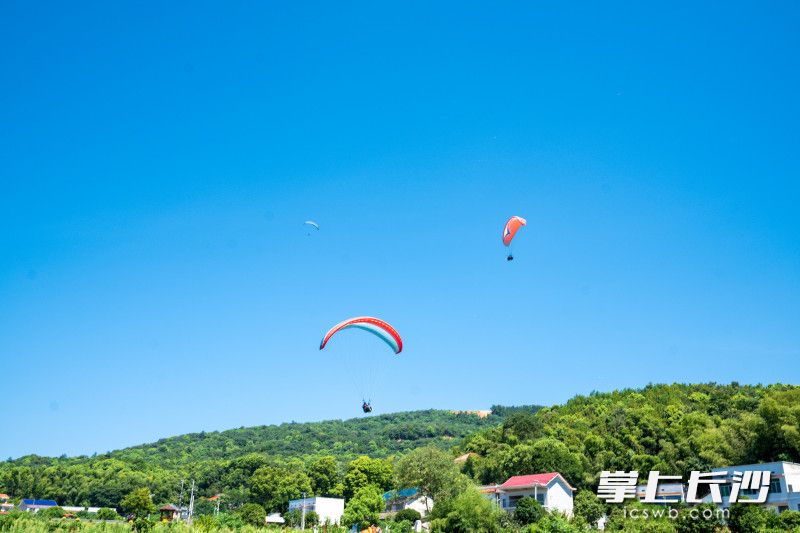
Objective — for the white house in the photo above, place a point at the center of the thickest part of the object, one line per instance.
(551, 490)
(329, 510)
(397, 500)
(784, 487)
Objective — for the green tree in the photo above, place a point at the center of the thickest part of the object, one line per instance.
(51, 512)
(294, 518)
(543, 455)
(528, 511)
(202, 506)
(274, 487)
(469, 512)
(232, 521)
(142, 524)
(252, 514)
(789, 520)
(19, 482)
(523, 425)
(236, 497)
(105, 513)
(364, 471)
(205, 523)
(364, 507)
(410, 515)
(238, 472)
(402, 526)
(325, 477)
(432, 472)
(747, 518)
(589, 507)
(704, 518)
(138, 503)
(557, 523)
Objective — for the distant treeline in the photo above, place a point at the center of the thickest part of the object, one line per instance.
(225, 461)
(671, 428)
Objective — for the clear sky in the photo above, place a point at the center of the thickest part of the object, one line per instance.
(157, 161)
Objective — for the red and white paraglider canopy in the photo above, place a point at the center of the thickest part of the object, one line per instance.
(376, 326)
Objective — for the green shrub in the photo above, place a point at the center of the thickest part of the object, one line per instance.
(253, 514)
(528, 511)
(105, 513)
(51, 512)
(412, 515)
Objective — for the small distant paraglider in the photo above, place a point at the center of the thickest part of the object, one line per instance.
(377, 327)
(510, 229)
(309, 224)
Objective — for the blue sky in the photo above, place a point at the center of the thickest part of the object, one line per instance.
(157, 162)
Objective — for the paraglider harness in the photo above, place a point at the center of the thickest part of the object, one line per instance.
(366, 407)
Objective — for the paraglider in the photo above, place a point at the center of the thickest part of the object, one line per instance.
(510, 229)
(311, 224)
(377, 327)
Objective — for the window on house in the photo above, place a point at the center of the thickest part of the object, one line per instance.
(540, 498)
(775, 486)
(725, 490)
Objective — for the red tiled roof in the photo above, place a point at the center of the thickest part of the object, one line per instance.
(527, 481)
(4, 497)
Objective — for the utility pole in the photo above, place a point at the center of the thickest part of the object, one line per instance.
(303, 514)
(191, 505)
(180, 503)
(216, 511)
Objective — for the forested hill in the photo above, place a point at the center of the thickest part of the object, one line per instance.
(226, 460)
(672, 428)
(376, 436)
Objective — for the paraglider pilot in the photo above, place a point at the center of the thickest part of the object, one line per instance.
(366, 407)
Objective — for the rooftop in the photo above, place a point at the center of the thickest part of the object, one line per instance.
(529, 480)
(41, 503)
(401, 494)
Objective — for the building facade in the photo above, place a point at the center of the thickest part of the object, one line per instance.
(666, 493)
(784, 486)
(329, 510)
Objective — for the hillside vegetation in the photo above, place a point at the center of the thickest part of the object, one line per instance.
(225, 460)
(671, 428)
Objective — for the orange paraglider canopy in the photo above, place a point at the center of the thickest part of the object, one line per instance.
(511, 228)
